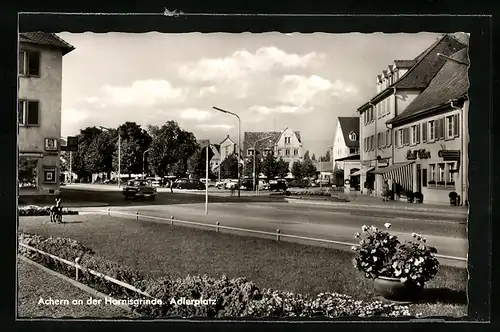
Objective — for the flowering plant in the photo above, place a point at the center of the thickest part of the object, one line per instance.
(381, 254)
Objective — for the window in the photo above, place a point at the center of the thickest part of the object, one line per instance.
(399, 138)
(388, 137)
(287, 140)
(449, 179)
(424, 132)
(432, 131)
(28, 113)
(372, 144)
(441, 173)
(250, 152)
(432, 173)
(227, 150)
(353, 136)
(449, 127)
(456, 128)
(287, 152)
(29, 63)
(371, 114)
(364, 117)
(413, 135)
(295, 152)
(440, 128)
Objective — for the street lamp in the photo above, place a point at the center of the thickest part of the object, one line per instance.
(119, 152)
(239, 141)
(143, 162)
(254, 150)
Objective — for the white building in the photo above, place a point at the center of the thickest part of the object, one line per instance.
(346, 142)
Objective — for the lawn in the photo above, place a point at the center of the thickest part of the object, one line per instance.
(157, 248)
(35, 283)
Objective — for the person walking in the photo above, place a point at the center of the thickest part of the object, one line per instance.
(171, 184)
(385, 191)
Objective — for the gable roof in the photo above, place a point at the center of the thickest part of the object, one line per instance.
(227, 138)
(250, 137)
(426, 66)
(450, 83)
(347, 125)
(46, 39)
(297, 133)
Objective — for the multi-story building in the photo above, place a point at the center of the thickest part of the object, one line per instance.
(39, 107)
(346, 142)
(227, 147)
(431, 135)
(286, 144)
(397, 88)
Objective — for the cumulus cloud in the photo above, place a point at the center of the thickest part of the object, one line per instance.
(242, 63)
(72, 115)
(195, 114)
(207, 90)
(302, 90)
(283, 109)
(143, 92)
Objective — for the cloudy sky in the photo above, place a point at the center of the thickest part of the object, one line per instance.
(272, 80)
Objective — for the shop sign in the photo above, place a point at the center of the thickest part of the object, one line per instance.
(421, 154)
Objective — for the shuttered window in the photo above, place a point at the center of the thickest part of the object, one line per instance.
(389, 138)
(441, 128)
(417, 128)
(424, 132)
(456, 125)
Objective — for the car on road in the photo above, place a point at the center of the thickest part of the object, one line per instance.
(278, 184)
(220, 184)
(231, 184)
(189, 184)
(247, 184)
(139, 189)
(210, 183)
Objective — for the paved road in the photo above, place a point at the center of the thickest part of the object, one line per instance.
(444, 231)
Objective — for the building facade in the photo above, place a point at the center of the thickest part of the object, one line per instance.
(286, 144)
(39, 108)
(397, 87)
(227, 147)
(346, 142)
(431, 135)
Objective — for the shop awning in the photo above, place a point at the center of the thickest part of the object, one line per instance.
(400, 173)
(362, 171)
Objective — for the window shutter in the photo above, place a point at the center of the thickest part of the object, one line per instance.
(456, 125)
(441, 128)
(32, 113)
(437, 129)
(407, 131)
(424, 132)
(417, 128)
(389, 138)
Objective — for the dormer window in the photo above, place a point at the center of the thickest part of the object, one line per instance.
(352, 136)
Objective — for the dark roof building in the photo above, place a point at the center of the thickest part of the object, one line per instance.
(349, 125)
(45, 39)
(450, 83)
(426, 66)
(251, 137)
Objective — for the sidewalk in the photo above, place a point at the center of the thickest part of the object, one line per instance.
(362, 201)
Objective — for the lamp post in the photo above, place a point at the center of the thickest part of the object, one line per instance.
(119, 152)
(254, 150)
(239, 141)
(143, 162)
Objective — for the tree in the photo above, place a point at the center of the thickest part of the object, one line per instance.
(229, 167)
(82, 166)
(308, 169)
(282, 168)
(313, 157)
(306, 155)
(249, 167)
(327, 156)
(197, 163)
(134, 141)
(297, 169)
(170, 149)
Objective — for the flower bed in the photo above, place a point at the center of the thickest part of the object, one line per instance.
(35, 210)
(236, 297)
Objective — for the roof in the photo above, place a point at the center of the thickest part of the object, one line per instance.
(347, 125)
(250, 137)
(350, 157)
(325, 166)
(227, 138)
(404, 63)
(297, 133)
(450, 83)
(426, 66)
(47, 39)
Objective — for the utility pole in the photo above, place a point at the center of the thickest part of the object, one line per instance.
(70, 167)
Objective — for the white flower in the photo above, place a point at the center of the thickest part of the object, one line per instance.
(364, 228)
(373, 228)
(357, 235)
(387, 225)
(354, 248)
(414, 234)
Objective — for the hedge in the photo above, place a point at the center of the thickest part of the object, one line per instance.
(35, 210)
(235, 297)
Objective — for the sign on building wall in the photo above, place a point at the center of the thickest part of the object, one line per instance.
(49, 175)
(420, 154)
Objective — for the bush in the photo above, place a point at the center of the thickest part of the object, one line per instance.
(235, 297)
(35, 210)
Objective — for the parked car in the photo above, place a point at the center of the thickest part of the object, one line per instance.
(264, 185)
(220, 184)
(139, 189)
(231, 184)
(278, 184)
(247, 184)
(189, 184)
(210, 183)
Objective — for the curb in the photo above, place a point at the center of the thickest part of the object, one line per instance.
(75, 283)
(355, 205)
